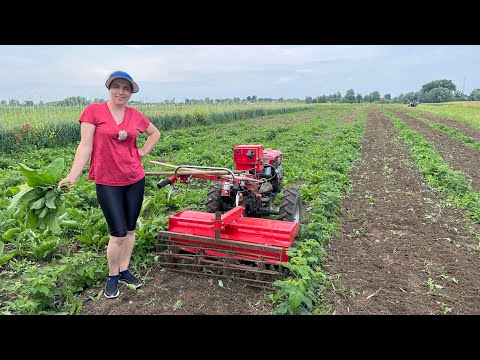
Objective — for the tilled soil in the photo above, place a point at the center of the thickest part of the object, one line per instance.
(456, 153)
(401, 250)
(463, 128)
(173, 293)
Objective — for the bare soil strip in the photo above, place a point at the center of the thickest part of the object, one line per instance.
(399, 250)
(352, 117)
(458, 155)
(463, 128)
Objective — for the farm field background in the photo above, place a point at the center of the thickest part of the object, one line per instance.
(390, 222)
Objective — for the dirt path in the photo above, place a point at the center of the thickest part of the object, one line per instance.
(400, 250)
(456, 153)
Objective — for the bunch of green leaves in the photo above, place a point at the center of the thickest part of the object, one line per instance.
(39, 201)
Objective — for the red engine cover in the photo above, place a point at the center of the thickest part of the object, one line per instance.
(248, 157)
(253, 157)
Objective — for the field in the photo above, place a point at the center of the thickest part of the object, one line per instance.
(391, 221)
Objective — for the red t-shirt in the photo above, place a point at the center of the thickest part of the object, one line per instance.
(113, 161)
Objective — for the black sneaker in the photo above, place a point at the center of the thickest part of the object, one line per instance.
(128, 278)
(111, 288)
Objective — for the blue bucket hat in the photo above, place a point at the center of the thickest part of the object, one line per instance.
(122, 75)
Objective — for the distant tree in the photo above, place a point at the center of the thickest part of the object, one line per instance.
(308, 100)
(374, 96)
(447, 84)
(349, 96)
(411, 96)
(388, 97)
(474, 95)
(400, 99)
(335, 98)
(72, 101)
(438, 95)
(358, 98)
(459, 96)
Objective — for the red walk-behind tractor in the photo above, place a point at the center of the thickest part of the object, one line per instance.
(234, 237)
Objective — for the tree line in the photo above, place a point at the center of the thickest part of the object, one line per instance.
(436, 91)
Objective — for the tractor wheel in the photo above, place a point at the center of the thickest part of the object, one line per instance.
(290, 205)
(214, 198)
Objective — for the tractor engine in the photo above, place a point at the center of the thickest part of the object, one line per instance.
(263, 166)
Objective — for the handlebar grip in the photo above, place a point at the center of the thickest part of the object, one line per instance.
(163, 183)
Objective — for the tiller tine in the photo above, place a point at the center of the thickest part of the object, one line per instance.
(228, 245)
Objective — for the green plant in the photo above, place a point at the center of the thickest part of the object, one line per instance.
(178, 305)
(39, 201)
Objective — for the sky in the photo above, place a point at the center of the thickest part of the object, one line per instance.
(167, 72)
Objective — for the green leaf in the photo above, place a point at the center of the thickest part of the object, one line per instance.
(43, 213)
(19, 198)
(55, 169)
(84, 239)
(70, 223)
(50, 176)
(38, 204)
(32, 219)
(6, 258)
(52, 222)
(35, 178)
(50, 197)
(308, 302)
(44, 289)
(8, 235)
(295, 298)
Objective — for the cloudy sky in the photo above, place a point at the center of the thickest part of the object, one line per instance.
(166, 72)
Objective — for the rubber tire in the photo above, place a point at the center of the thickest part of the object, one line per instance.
(290, 205)
(214, 199)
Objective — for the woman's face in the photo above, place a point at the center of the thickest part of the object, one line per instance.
(120, 91)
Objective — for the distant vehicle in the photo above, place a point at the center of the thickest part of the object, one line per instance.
(412, 104)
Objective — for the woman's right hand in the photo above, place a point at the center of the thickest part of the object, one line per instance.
(67, 181)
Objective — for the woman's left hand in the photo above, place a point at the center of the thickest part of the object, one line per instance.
(141, 153)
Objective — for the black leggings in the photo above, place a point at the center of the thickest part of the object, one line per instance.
(121, 206)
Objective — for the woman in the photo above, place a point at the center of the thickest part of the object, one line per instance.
(109, 140)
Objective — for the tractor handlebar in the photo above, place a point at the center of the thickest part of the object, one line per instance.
(166, 182)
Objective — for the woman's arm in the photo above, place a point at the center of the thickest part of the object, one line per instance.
(153, 137)
(84, 151)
